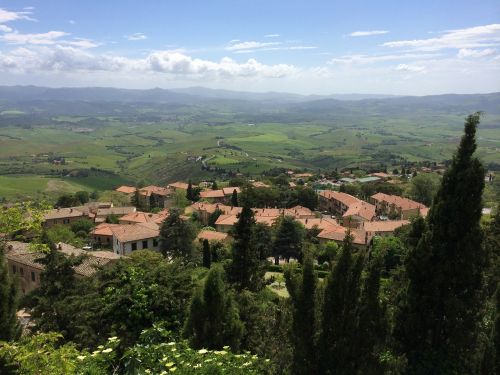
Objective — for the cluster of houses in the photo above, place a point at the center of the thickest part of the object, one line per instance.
(133, 230)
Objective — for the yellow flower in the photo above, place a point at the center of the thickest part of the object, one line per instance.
(173, 369)
(169, 364)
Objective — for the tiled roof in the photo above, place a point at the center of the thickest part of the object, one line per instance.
(212, 235)
(135, 232)
(212, 194)
(179, 185)
(343, 198)
(361, 209)
(321, 223)
(338, 234)
(61, 213)
(145, 217)
(104, 229)
(384, 226)
(157, 190)
(125, 189)
(229, 190)
(119, 211)
(299, 211)
(403, 203)
(20, 253)
(226, 220)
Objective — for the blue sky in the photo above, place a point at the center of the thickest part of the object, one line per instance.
(323, 47)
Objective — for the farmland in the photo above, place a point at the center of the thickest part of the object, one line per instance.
(90, 149)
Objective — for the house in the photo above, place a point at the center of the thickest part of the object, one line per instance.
(300, 212)
(358, 213)
(154, 196)
(212, 236)
(354, 211)
(175, 186)
(368, 179)
(228, 191)
(214, 196)
(127, 190)
(321, 223)
(102, 213)
(203, 210)
(102, 235)
(23, 262)
(131, 237)
(360, 238)
(397, 207)
(144, 217)
(225, 223)
(63, 216)
(383, 228)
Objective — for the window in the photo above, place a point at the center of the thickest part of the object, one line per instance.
(134, 246)
(145, 244)
(155, 242)
(14, 269)
(21, 271)
(33, 276)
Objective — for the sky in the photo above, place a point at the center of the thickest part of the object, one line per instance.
(308, 47)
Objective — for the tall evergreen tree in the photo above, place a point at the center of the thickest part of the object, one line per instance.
(207, 256)
(339, 336)
(438, 323)
(302, 292)
(289, 239)
(177, 236)
(234, 198)
(189, 192)
(246, 270)
(9, 326)
(214, 185)
(213, 320)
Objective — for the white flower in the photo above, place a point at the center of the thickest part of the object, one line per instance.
(108, 350)
(81, 357)
(114, 338)
(202, 351)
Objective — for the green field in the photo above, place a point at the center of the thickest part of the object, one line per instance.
(101, 152)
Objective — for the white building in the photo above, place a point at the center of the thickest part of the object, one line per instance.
(130, 237)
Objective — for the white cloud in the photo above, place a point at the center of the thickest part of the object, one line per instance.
(249, 45)
(5, 29)
(410, 68)
(475, 53)
(272, 36)
(369, 59)
(136, 36)
(8, 16)
(368, 33)
(172, 63)
(472, 37)
(48, 38)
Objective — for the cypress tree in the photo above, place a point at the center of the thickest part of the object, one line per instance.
(339, 337)
(289, 239)
(214, 319)
(206, 254)
(246, 270)
(189, 192)
(9, 326)
(177, 236)
(438, 323)
(303, 296)
(234, 198)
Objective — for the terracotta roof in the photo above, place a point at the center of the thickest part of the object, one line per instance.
(125, 189)
(226, 220)
(321, 223)
(119, 211)
(178, 185)
(270, 212)
(212, 235)
(135, 232)
(104, 229)
(145, 217)
(299, 211)
(361, 209)
(424, 211)
(21, 253)
(343, 198)
(61, 213)
(157, 190)
(384, 226)
(338, 234)
(229, 190)
(403, 203)
(212, 194)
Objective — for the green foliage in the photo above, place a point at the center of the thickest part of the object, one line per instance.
(177, 236)
(82, 196)
(307, 197)
(9, 327)
(246, 270)
(391, 250)
(212, 218)
(288, 239)
(303, 296)
(61, 233)
(207, 255)
(82, 225)
(424, 187)
(112, 219)
(439, 320)
(213, 320)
